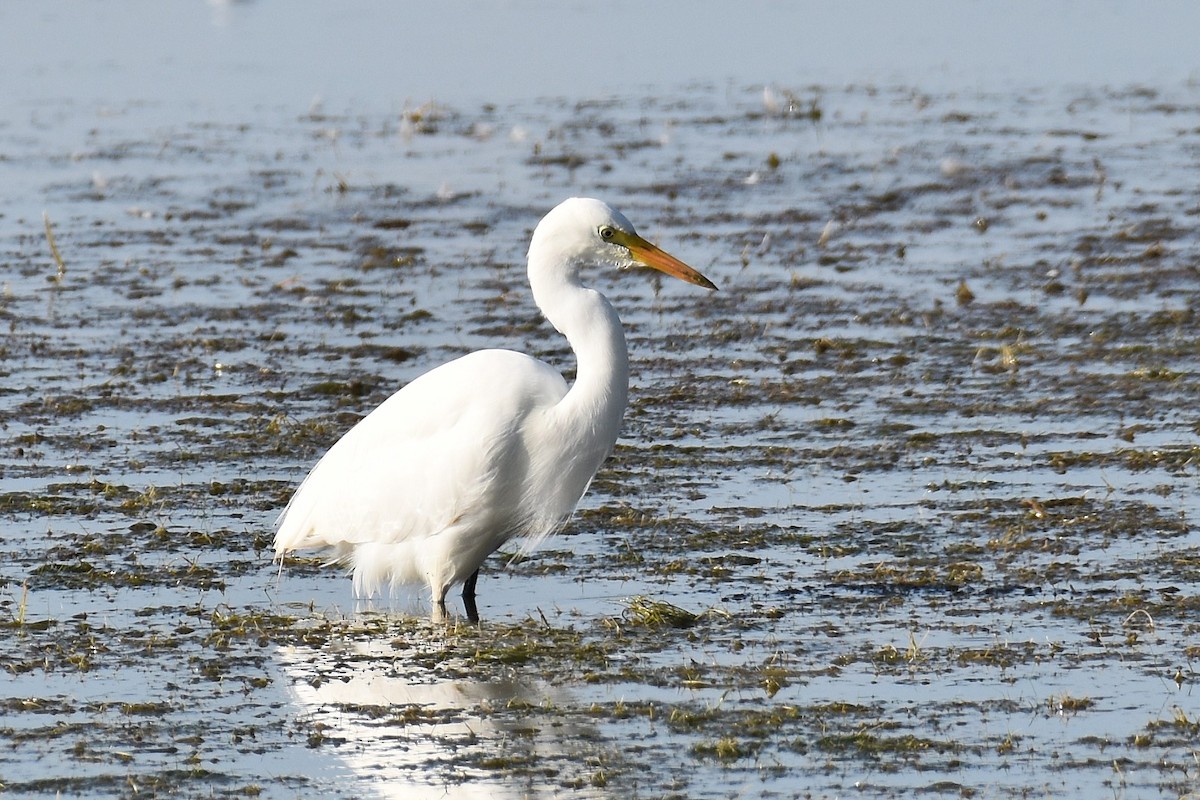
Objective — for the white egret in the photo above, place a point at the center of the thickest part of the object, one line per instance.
(491, 446)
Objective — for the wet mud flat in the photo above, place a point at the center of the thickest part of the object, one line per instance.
(908, 506)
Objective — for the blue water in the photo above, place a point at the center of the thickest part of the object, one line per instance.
(178, 147)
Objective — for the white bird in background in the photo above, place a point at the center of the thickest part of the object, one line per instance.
(491, 446)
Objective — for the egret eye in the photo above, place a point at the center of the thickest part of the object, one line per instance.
(607, 233)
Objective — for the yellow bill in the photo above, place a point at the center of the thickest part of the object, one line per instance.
(651, 256)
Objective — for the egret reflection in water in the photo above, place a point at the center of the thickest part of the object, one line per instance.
(413, 734)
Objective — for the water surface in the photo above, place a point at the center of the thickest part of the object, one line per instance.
(907, 505)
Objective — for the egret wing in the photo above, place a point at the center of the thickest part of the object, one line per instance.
(446, 446)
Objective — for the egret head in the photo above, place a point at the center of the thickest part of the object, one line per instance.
(583, 231)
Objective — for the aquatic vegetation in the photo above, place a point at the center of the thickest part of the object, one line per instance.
(907, 507)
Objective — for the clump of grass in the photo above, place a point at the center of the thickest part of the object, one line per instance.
(867, 743)
(723, 749)
(58, 259)
(1066, 704)
(649, 613)
(684, 719)
(1179, 731)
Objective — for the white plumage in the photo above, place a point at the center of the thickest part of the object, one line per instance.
(491, 446)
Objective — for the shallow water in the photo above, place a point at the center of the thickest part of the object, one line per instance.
(907, 505)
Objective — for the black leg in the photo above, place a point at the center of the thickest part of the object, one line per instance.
(468, 595)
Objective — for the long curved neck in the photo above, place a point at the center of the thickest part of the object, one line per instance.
(596, 401)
